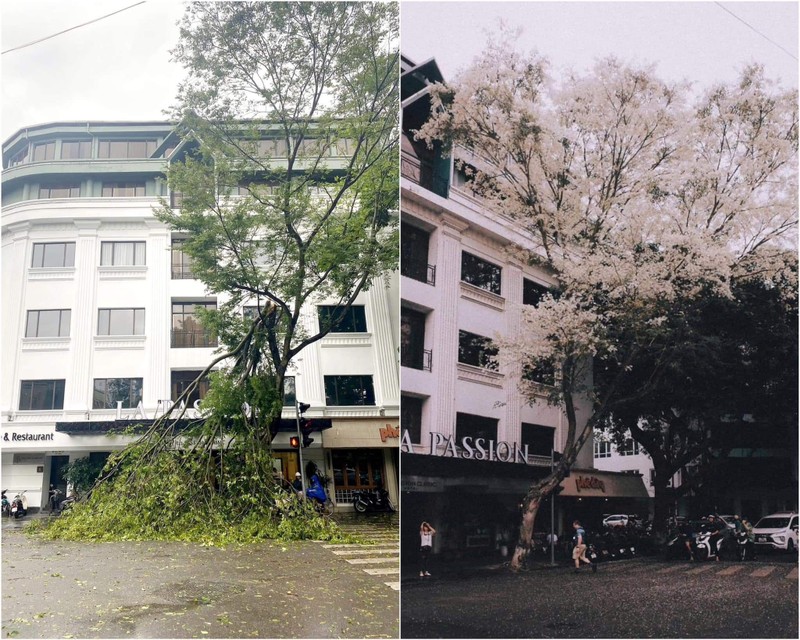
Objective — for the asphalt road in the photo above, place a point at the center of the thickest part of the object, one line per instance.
(642, 598)
(181, 590)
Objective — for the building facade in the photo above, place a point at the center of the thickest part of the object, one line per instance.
(100, 318)
(472, 443)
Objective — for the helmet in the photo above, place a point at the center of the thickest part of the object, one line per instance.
(297, 475)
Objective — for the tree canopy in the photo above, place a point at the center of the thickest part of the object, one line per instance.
(639, 197)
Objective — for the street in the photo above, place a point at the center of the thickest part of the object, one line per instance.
(180, 590)
(628, 599)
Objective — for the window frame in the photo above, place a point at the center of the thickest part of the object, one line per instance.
(49, 151)
(61, 322)
(137, 245)
(74, 191)
(354, 320)
(412, 414)
(469, 261)
(67, 255)
(112, 404)
(333, 392)
(104, 147)
(482, 349)
(117, 189)
(138, 318)
(56, 391)
(177, 385)
(82, 145)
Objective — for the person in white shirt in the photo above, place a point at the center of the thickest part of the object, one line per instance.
(426, 533)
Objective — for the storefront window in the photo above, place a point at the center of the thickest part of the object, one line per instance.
(356, 470)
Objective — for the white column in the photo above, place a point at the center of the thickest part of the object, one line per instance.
(387, 383)
(84, 317)
(445, 333)
(15, 265)
(307, 372)
(509, 428)
(157, 316)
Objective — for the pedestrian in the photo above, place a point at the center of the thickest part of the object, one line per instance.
(579, 550)
(737, 524)
(688, 535)
(751, 538)
(715, 528)
(297, 485)
(426, 533)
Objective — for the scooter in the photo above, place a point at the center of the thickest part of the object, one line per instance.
(744, 548)
(19, 505)
(705, 548)
(377, 500)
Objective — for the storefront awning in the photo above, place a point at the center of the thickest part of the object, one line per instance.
(590, 483)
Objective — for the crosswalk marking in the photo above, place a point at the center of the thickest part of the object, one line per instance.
(702, 569)
(365, 551)
(370, 560)
(380, 556)
(792, 575)
(393, 585)
(383, 571)
(763, 572)
(731, 570)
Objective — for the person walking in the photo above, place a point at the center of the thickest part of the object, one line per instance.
(579, 550)
(297, 485)
(751, 539)
(426, 533)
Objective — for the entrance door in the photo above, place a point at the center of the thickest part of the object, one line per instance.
(289, 464)
(57, 464)
(355, 470)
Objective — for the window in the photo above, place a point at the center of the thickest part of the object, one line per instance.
(412, 340)
(354, 320)
(411, 417)
(182, 380)
(652, 477)
(120, 322)
(357, 470)
(630, 448)
(414, 254)
(41, 395)
(289, 392)
(60, 191)
(476, 350)
(53, 254)
(20, 157)
(602, 448)
(533, 292)
(126, 148)
(480, 273)
(123, 189)
(469, 425)
(122, 254)
(539, 439)
(187, 330)
(44, 151)
(181, 262)
(543, 372)
(47, 323)
(76, 149)
(109, 391)
(349, 391)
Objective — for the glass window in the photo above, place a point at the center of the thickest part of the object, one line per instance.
(476, 350)
(20, 157)
(76, 149)
(469, 425)
(412, 339)
(182, 380)
(532, 292)
(349, 391)
(123, 189)
(187, 330)
(539, 438)
(480, 273)
(543, 372)
(289, 392)
(120, 322)
(414, 253)
(44, 151)
(353, 321)
(630, 448)
(181, 262)
(41, 395)
(109, 391)
(602, 448)
(126, 148)
(60, 191)
(411, 417)
(53, 254)
(122, 254)
(47, 323)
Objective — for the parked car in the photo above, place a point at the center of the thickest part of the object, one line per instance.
(777, 531)
(617, 520)
(728, 520)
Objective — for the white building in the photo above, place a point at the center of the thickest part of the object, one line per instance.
(99, 309)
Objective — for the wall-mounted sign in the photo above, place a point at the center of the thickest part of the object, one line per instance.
(13, 436)
(470, 448)
(589, 482)
(389, 432)
(421, 484)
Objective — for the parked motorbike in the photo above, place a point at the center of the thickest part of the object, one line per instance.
(744, 548)
(377, 500)
(56, 496)
(19, 505)
(707, 547)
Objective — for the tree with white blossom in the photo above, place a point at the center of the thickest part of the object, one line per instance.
(639, 197)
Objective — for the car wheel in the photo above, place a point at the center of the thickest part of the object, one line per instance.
(790, 546)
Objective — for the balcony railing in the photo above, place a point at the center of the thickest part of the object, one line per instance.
(416, 359)
(183, 339)
(424, 174)
(419, 271)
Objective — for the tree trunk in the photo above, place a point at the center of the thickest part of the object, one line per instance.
(530, 507)
(661, 500)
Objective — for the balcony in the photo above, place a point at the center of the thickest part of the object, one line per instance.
(421, 360)
(424, 174)
(188, 339)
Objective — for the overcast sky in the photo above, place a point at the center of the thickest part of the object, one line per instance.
(697, 41)
(115, 69)
(118, 68)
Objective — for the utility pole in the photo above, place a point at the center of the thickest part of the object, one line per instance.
(552, 511)
(297, 412)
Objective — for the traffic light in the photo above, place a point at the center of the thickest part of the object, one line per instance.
(294, 442)
(306, 426)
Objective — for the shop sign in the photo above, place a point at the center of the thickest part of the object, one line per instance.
(389, 432)
(13, 436)
(470, 448)
(421, 484)
(589, 482)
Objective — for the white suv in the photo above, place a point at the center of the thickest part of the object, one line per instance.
(777, 531)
